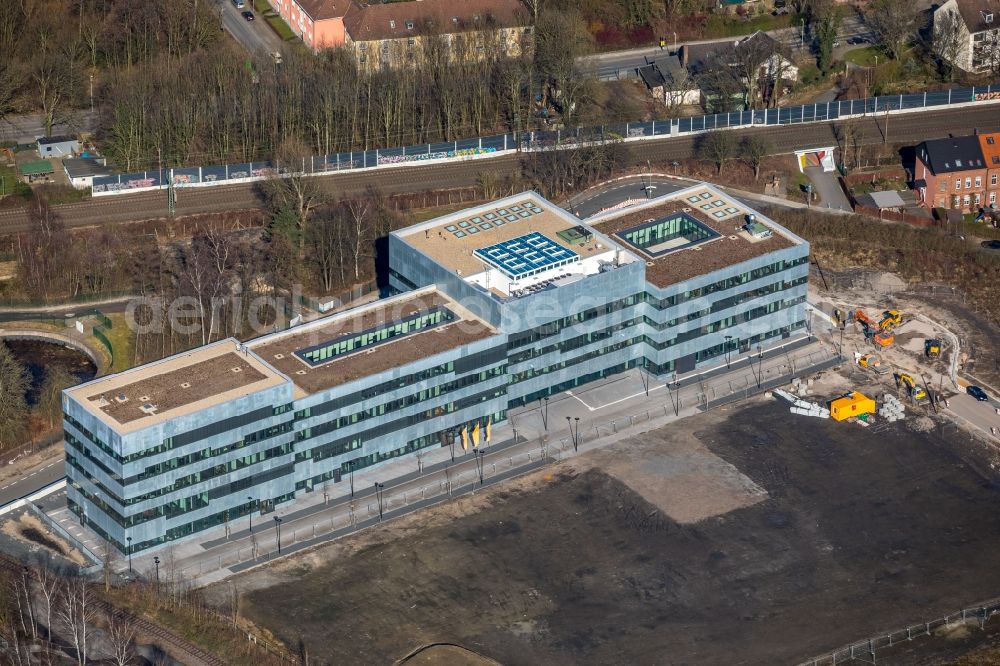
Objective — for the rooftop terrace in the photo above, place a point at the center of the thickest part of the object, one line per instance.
(690, 233)
(514, 247)
(367, 340)
(180, 384)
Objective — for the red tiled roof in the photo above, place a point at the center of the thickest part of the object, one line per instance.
(390, 21)
(319, 10)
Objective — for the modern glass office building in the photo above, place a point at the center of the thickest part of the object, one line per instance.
(496, 306)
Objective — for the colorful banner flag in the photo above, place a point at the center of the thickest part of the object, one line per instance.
(465, 439)
(489, 430)
(475, 436)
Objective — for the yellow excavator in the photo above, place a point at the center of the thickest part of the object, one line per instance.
(890, 320)
(932, 348)
(913, 389)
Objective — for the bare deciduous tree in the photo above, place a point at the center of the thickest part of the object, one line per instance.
(77, 613)
(894, 24)
(717, 147)
(121, 637)
(754, 148)
(949, 42)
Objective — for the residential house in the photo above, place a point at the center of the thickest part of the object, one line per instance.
(319, 23)
(717, 64)
(668, 81)
(57, 146)
(990, 145)
(975, 25)
(397, 34)
(951, 173)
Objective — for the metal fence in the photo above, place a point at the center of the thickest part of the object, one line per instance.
(866, 650)
(538, 140)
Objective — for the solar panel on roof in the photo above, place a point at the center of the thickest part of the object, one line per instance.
(485, 225)
(526, 254)
(464, 224)
(451, 227)
(459, 234)
(473, 230)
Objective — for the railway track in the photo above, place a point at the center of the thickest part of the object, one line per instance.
(180, 648)
(911, 127)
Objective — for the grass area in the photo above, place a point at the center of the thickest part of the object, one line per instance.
(865, 57)
(262, 6)
(797, 182)
(424, 214)
(205, 630)
(121, 339)
(10, 185)
(734, 26)
(280, 27)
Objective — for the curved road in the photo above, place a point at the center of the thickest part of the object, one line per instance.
(913, 127)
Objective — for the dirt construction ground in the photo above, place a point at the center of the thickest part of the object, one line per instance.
(763, 538)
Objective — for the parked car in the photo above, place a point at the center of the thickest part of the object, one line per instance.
(990, 245)
(977, 393)
(240, 4)
(248, 16)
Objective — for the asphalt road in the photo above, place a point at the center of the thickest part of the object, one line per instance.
(912, 127)
(254, 35)
(26, 128)
(982, 415)
(609, 65)
(50, 472)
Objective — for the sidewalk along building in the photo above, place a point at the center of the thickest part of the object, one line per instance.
(496, 307)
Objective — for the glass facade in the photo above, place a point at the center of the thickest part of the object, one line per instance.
(255, 453)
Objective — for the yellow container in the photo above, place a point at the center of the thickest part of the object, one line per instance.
(852, 404)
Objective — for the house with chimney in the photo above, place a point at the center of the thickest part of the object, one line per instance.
(669, 83)
(951, 173)
(975, 25)
(989, 143)
(398, 34)
(725, 69)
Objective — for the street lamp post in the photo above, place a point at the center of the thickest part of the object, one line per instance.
(250, 514)
(156, 561)
(129, 539)
(480, 462)
(379, 494)
(728, 338)
(350, 468)
(760, 365)
(545, 413)
(277, 532)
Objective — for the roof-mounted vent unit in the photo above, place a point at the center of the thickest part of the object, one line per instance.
(148, 408)
(237, 369)
(185, 384)
(649, 263)
(278, 357)
(300, 372)
(121, 398)
(988, 17)
(685, 210)
(733, 237)
(697, 248)
(144, 398)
